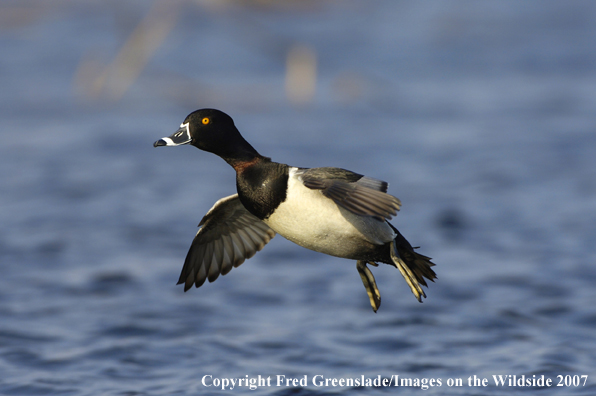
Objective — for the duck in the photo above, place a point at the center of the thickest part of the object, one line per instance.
(329, 210)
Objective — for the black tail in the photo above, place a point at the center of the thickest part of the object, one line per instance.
(414, 267)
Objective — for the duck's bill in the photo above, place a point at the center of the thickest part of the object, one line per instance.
(180, 137)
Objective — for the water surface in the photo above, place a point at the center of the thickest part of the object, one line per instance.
(479, 115)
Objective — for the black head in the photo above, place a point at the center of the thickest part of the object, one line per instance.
(214, 131)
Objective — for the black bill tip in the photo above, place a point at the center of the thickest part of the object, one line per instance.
(159, 142)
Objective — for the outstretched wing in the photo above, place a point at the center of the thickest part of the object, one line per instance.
(229, 235)
(359, 194)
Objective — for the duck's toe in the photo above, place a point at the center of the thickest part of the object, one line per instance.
(369, 284)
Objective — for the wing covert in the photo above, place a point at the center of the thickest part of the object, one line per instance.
(359, 194)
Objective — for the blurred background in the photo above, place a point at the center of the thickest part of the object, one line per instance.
(480, 115)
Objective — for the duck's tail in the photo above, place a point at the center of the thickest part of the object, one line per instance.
(414, 267)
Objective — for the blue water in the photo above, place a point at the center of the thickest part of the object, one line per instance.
(480, 115)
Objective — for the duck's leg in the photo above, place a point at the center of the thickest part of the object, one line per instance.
(369, 283)
(406, 273)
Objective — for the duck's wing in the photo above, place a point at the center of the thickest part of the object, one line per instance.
(229, 235)
(359, 194)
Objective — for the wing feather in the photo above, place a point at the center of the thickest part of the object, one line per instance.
(229, 234)
(359, 194)
(228, 258)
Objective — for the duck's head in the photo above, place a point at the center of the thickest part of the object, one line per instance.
(214, 131)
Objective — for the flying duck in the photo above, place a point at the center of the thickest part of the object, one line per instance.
(328, 210)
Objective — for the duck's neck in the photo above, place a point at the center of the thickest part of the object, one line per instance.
(244, 155)
(234, 150)
(241, 164)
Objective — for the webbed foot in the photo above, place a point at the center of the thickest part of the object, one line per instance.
(369, 283)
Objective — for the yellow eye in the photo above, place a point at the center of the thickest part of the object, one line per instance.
(206, 120)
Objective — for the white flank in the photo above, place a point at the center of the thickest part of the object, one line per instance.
(313, 221)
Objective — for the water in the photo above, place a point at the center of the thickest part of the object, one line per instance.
(479, 115)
